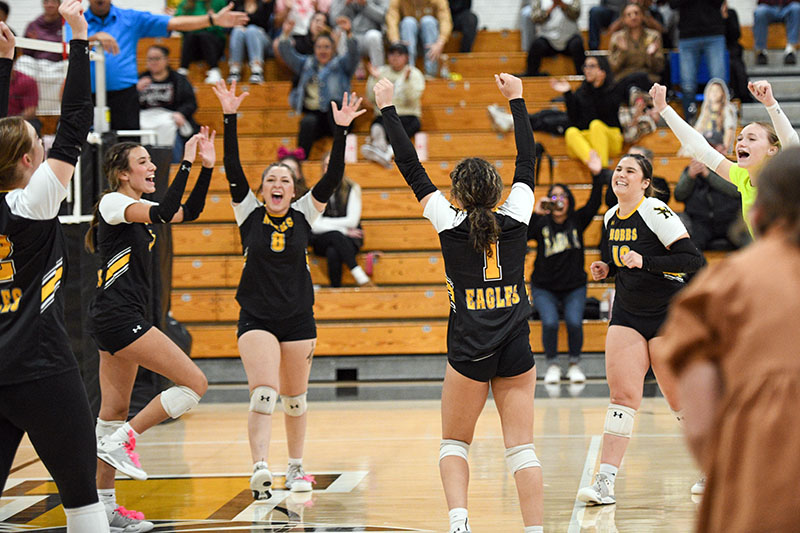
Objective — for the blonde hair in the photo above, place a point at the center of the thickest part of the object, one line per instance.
(17, 142)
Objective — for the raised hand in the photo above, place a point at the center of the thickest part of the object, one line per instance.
(7, 42)
(435, 51)
(560, 85)
(226, 18)
(599, 270)
(659, 95)
(762, 91)
(595, 164)
(227, 97)
(205, 145)
(349, 110)
(509, 85)
(384, 91)
(344, 24)
(108, 41)
(72, 11)
(190, 148)
(288, 26)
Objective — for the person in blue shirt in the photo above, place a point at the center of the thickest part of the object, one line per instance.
(119, 31)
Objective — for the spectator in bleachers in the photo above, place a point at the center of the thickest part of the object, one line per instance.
(557, 33)
(651, 17)
(46, 27)
(635, 52)
(206, 44)
(559, 275)
(733, 32)
(712, 202)
(527, 29)
(323, 78)
(119, 31)
(367, 17)
(426, 21)
(464, 21)
(167, 102)
(701, 33)
(593, 112)
(294, 160)
(771, 11)
(337, 233)
(302, 14)
(409, 84)
(23, 97)
(600, 17)
(254, 38)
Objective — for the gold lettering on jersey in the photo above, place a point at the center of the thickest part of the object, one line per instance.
(623, 234)
(7, 270)
(491, 297)
(277, 242)
(282, 227)
(617, 252)
(10, 299)
(492, 271)
(152, 240)
(451, 293)
(560, 242)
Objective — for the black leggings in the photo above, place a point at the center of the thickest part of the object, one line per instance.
(541, 47)
(337, 248)
(55, 413)
(201, 46)
(314, 125)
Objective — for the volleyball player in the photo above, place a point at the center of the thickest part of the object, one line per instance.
(41, 391)
(276, 330)
(648, 251)
(755, 145)
(119, 313)
(487, 334)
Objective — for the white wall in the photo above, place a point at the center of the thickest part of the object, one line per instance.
(493, 14)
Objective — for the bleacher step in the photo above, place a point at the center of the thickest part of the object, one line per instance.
(774, 67)
(756, 111)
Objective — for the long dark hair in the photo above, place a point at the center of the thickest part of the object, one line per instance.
(567, 193)
(647, 171)
(477, 186)
(115, 162)
(778, 200)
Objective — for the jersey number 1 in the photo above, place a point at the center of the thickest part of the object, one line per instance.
(492, 270)
(6, 267)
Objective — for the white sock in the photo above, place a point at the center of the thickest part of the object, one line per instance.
(789, 49)
(259, 464)
(609, 470)
(359, 275)
(108, 497)
(458, 517)
(122, 433)
(295, 462)
(534, 529)
(87, 519)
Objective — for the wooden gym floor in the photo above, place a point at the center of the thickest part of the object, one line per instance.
(374, 457)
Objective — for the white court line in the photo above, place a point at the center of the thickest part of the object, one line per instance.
(347, 481)
(586, 478)
(258, 511)
(18, 504)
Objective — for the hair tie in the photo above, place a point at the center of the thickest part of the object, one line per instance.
(297, 153)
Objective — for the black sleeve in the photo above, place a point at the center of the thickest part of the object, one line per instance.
(197, 199)
(328, 183)
(683, 256)
(586, 213)
(186, 102)
(570, 100)
(5, 85)
(526, 145)
(405, 156)
(76, 106)
(533, 229)
(605, 253)
(164, 211)
(237, 182)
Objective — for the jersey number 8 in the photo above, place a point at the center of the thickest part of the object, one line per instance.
(6, 267)
(278, 242)
(492, 271)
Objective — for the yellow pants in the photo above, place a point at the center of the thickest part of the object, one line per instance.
(606, 141)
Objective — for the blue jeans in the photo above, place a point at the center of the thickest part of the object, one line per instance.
(527, 29)
(600, 18)
(765, 15)
(690, 50)
(426, 30)
(546, 302)
(251, 37)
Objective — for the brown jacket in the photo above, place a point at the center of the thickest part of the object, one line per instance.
(627, 55)
(399, 9)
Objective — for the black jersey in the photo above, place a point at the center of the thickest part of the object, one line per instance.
(33, 337)
(124, 279)
(488, 301)
(276, 281)
(648, 231)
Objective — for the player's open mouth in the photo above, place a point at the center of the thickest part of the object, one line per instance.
(151, 178)
(276, 197)
(620, 183)
(742, 154)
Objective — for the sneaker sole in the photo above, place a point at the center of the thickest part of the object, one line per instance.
(261, 485)
(142, 527)
(589, 497)
(133, 473)
(301, 486)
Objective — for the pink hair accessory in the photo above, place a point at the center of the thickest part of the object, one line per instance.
(297, 153)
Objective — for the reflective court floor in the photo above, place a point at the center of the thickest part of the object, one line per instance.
(373, 450)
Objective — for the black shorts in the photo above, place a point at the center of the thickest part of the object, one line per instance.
(116, 338)
(293, 329)
(646, 325)
(511, 359)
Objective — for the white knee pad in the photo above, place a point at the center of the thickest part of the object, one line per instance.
(520, 457)
(104, 428)
(178, 400)
(619, 420)
(294, 405)
(263, 400)
(453, 447)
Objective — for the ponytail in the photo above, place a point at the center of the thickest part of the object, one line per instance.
(478, 187)
(483, 229)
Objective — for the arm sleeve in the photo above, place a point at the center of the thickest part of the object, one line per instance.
(197, 199)
(5, 85)
(683, 256)
(327, 184)
(76, 106)
(151, 24)
(445, 20)
(587, 212)
(405, 156)
(112, 207)
(243, 209)
(353, 216)
(393, 21)
(786, 133)
(327, 224)
(163, 212)
(237, 182)
(526, 145)
(692, 139)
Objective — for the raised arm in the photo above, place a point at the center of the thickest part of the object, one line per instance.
(224, 18)
(7, 43)
(762, 91)
(405, 156)
(237, 182)
(690, 138)
(511, 87)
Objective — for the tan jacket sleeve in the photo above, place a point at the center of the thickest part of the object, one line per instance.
(393, 21)
(445, 19)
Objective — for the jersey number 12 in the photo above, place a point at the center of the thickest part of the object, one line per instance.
(492, 271)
